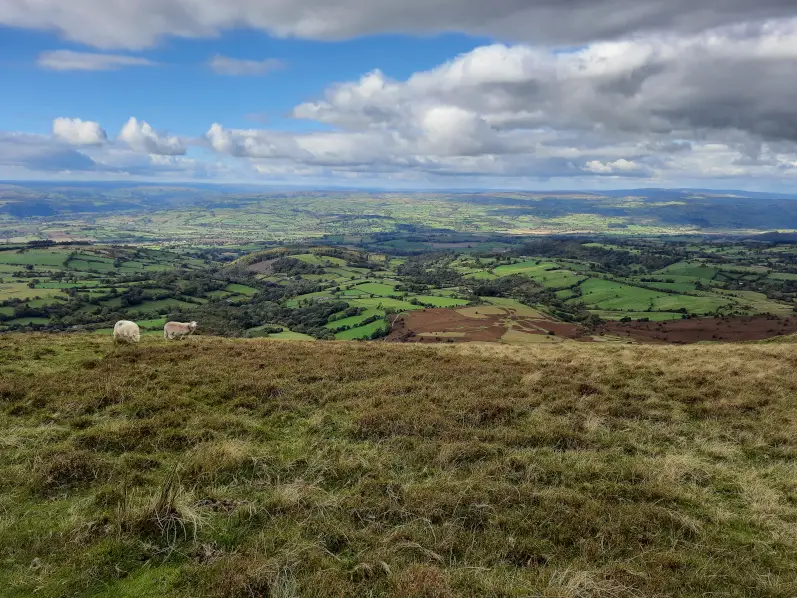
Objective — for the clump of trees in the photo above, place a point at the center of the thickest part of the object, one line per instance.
(293, 267)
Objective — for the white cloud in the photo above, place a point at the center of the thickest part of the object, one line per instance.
(38, 153)
(621, 166)
(223, 65)
(139, 24)
(665, 107)
(78, 132)
(67, 60)
(141, 137)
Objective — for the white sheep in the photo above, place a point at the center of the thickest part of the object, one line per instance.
(126, 332)
(178, 330)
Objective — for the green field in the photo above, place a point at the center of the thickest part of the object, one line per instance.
(653, 316)
(609, 295)
(361, 332)
(35, 257)
(384, 302)
(20, 290)
(612, 296)
(287, 335)
(693, 269)
(441, 301)
(375, 288)
(354, 320)
(240, 289)
(481, 275)
(529, 268)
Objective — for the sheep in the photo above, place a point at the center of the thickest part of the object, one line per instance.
(178, 330)
(126, 332)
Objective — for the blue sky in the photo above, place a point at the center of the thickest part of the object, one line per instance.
(420, 94)
(185, 93)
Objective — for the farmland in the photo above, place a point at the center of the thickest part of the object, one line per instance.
(243, 217)
(353, 293)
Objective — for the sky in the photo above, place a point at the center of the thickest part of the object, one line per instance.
(417, 94)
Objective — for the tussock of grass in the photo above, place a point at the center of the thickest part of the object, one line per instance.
(260, 468)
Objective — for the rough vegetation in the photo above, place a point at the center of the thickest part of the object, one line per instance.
(244, 468)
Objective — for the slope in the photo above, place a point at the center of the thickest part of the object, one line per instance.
(239, 468)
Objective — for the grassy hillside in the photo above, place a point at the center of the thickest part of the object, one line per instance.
(243, 468)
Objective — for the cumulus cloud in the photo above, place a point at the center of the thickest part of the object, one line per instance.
(75, 131)
(621, 166)
(135, 25)
(666, 91)
(222, 65)
(141, 137)
(629, 108)
(67, 60)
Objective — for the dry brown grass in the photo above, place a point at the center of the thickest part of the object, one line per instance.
(259, 468)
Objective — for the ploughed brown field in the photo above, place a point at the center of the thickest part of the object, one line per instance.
(481, 324)
(704, 329)
(510, 325)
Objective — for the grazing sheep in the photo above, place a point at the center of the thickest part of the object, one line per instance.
(126, 332)
(178, 330)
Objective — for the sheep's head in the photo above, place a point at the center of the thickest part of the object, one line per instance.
(193, 326)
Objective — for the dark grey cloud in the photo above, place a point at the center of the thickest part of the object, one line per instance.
(710, 105)
(31, 155)
(139, 24)
(38, 153)
(648, 89)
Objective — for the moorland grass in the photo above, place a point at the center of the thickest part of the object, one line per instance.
(239, 468)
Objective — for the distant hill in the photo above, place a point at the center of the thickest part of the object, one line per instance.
(232, 468)
(653, 211)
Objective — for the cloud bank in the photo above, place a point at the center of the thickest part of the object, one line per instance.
(710, 105)
(588, 91)
(135, 25)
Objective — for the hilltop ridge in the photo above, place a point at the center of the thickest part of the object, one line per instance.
(221, 467)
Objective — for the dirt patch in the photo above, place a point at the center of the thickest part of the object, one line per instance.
(481, 313)
(429, 326)
(493, 325)
(263, 267)
(563, 329)
(703, 329)
(488, 324)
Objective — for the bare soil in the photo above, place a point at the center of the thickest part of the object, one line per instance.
(421, 326)
(263, 267)
(450, 325)
(704, 329)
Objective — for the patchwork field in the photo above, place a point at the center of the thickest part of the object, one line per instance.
(575, 283)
